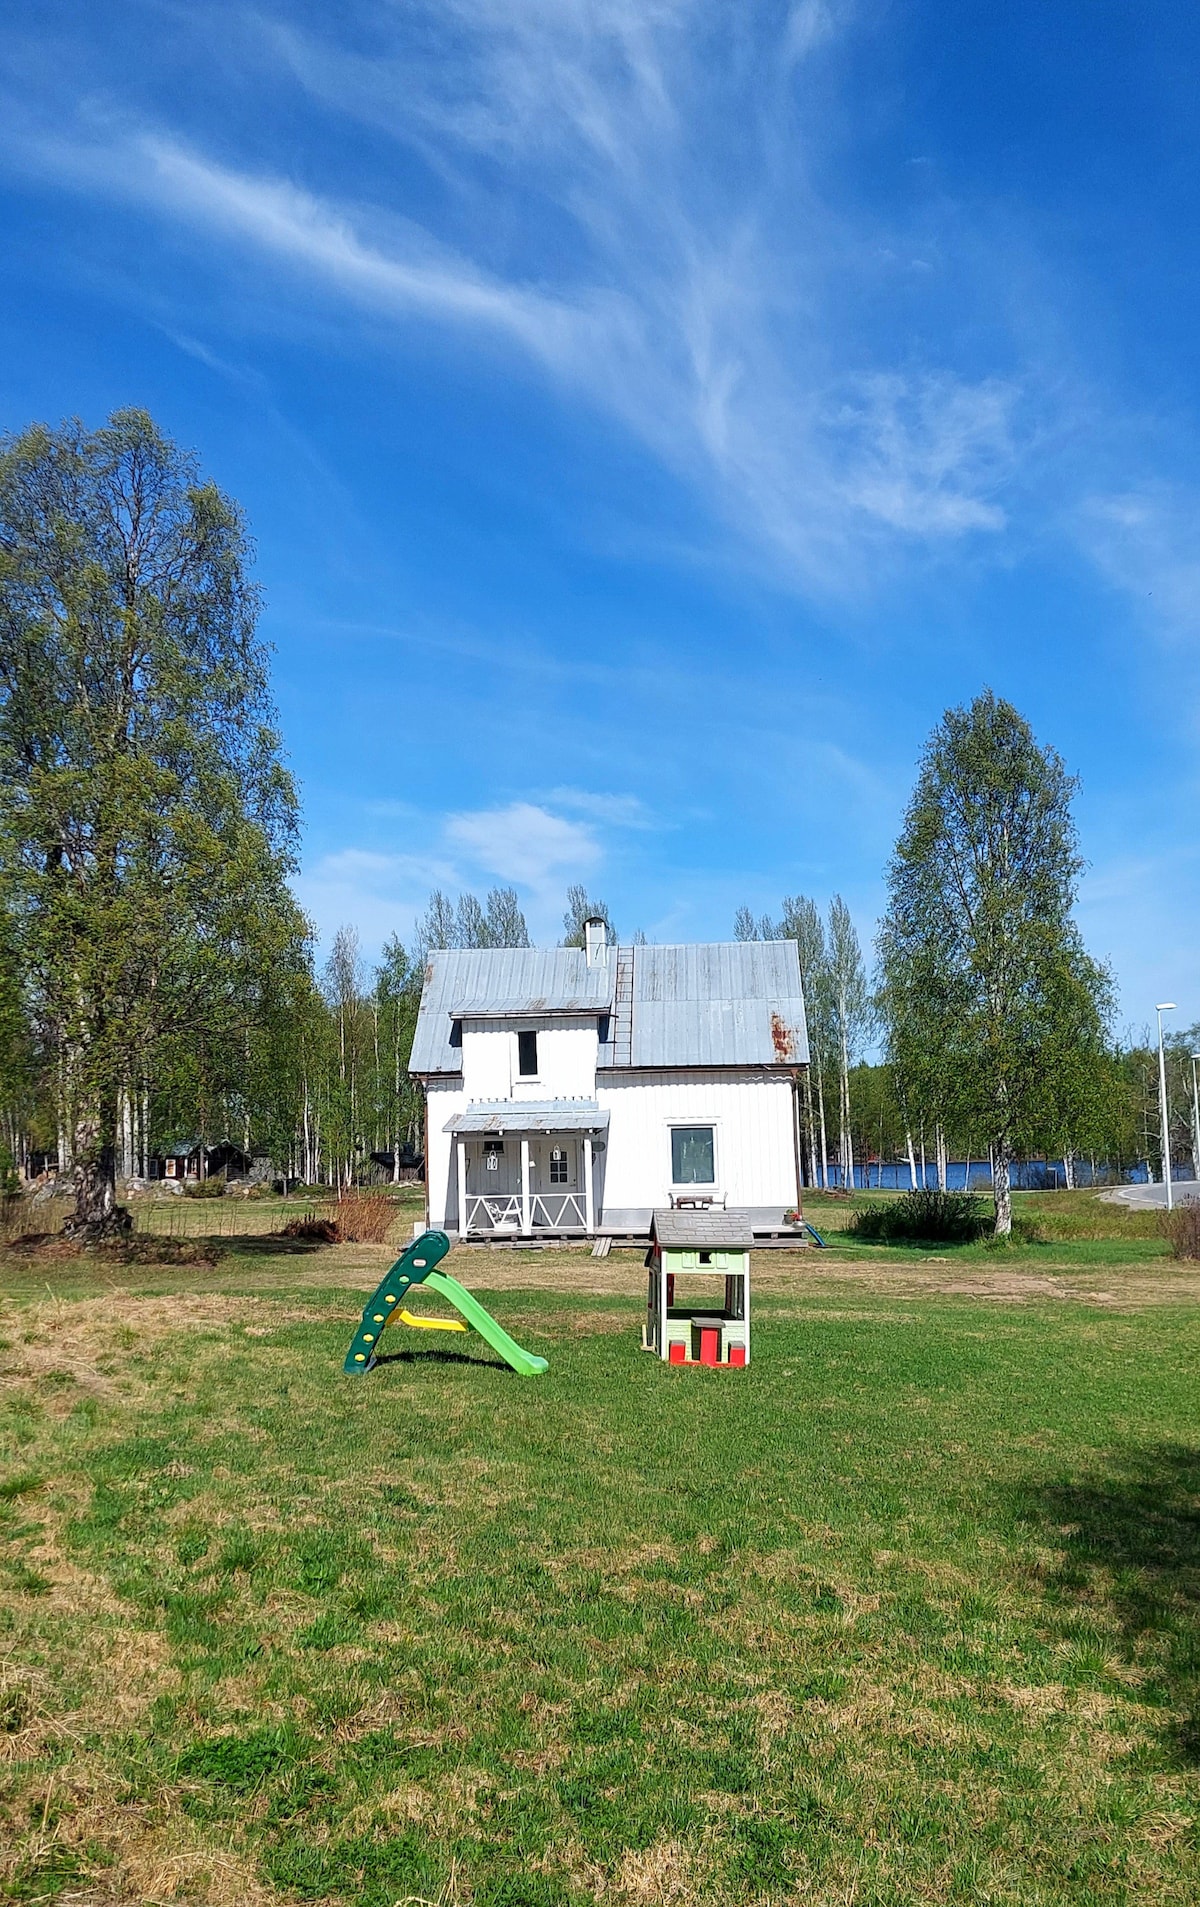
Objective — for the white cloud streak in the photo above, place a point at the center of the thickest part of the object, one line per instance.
(665, 253)
(525, 843)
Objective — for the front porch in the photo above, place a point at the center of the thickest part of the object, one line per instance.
(526, 1170)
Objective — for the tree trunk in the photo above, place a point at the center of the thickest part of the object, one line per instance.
(940, 1144)
(97, 1216)
(824, 1134)
(847, 1138)
(912, 1158)
(1069, 1168)
(1003, 1189)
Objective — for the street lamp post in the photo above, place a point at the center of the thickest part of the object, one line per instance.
(1195, 1119)
(1166, 1006)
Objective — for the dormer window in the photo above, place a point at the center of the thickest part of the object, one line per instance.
(527, 1057)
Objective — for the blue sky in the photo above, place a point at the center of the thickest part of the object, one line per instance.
(653, 413)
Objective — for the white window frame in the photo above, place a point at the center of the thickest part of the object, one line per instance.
(714, 1125)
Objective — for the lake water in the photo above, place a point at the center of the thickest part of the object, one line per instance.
(1034, 1175)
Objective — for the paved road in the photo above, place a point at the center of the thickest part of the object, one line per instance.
(1181, 1190)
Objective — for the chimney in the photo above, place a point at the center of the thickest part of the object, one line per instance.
(595, 941)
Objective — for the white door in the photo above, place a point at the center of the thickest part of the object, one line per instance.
(555, 1163)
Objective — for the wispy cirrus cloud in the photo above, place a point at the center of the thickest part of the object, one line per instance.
(628, 198)
(1145, 540)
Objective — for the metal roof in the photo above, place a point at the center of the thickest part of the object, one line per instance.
(703, 1231)
(530, 1115)
(500, 982)
(737, 1003)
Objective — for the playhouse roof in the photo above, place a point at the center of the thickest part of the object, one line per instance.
(703, 1230)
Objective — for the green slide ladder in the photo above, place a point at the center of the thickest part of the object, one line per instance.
(418, 1266)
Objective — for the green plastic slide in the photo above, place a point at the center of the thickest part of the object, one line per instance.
(416, 1267)
(523, 1362)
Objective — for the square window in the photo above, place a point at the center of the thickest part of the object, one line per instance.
(527, 1055)
(693, 1156)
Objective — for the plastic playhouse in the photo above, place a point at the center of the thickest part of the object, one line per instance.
(418, 1266)
(687, 1245)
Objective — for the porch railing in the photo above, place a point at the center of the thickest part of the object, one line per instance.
(548, 1211)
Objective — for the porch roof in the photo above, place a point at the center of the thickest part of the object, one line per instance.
(530, 1115)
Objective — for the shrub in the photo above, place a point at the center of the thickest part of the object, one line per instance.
(358, 1218)
(323, 1231)
(1182, 1229)
(924, 1217)
(204, 1188)
(365, 1218)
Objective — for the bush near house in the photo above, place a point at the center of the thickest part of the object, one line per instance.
(358, 1218)
(924, 1217)
(204, 1188)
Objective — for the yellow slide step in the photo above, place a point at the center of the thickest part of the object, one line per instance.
(431, 1324)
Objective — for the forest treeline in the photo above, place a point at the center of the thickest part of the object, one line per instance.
(159, 988)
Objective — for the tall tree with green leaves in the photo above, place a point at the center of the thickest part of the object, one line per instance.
(398, 993)
(985, 982)
(849, 1001)
(147, 823)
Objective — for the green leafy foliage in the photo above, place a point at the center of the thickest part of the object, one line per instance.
(995, 1014)
(204, 1188)
(924, 1217)
(147, 823)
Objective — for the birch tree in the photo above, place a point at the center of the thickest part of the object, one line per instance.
(985, 980)
(147, 823)
(849, 999)
(801, 922)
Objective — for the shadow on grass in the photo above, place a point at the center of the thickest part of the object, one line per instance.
(1132, 1542)
(435, 1356)
(268, 1245)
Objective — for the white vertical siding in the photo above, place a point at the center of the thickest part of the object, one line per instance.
(566, 1058)
(444, 1098)
(750, 1111)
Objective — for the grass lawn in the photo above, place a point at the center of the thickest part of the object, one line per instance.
(909, 1611)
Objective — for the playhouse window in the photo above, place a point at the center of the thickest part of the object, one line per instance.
(527, 1055)
(493, 1152)
(558, 1166)
(693, 1156)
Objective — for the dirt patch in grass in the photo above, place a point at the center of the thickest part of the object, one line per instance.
(61, 1348)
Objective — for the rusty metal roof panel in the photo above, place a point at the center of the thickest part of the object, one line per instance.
(738, 1003)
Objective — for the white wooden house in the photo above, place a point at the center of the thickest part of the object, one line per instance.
(573, 1091)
